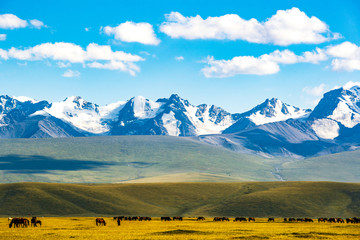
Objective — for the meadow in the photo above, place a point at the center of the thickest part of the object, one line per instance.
(85, 228)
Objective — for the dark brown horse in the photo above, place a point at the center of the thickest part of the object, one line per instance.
(19, 222)
(100, 221)
(165, 219)
(240, 219)
(200, 219)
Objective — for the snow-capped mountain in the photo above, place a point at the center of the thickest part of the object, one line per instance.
(272, 110)
(338, 108)
(138, 116)
(172, 116)
(272, 128)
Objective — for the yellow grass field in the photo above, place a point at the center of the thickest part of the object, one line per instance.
(85, 228)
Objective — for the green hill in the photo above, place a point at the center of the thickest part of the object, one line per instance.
(112, 159)
(258, 199)
(343, 167)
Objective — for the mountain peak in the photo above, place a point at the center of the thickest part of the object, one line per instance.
(274, 110)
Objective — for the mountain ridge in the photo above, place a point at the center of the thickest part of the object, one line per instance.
(272, 128)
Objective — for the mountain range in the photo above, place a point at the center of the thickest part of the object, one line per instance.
(272, 128)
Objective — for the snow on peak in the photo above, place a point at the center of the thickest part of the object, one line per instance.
(80, 113)
(274, 110)
(351, 85)
(144, 108)
(208, 119)
(347, 110)
(24, 99)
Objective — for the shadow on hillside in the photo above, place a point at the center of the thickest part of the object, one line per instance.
(43, 164)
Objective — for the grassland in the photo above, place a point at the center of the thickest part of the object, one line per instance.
(111, 159)
(257, 199)
(124, 158)
(342, 167)
(85, 228)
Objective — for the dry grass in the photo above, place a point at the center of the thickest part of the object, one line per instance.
(85, 228)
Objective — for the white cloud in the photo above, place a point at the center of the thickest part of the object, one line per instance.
(116, 65)
(315, 91)
(68, 53)
(346, 57)
(10, 21)
(37, 23)
(4, 54)
(239, 65)
(70, 73)
(2, 37)
(133, 32)
(87, 29)
(266, 64)
(63, 64)
(286, 27)
(179, 58)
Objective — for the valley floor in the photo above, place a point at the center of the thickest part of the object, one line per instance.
(85, 228)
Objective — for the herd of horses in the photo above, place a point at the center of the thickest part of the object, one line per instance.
(23, 222)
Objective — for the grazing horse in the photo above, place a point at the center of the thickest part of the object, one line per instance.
(271, 219)
(177, 218)
(308, 220)
(100, 221)
(33, 221)
(240, 219)
(19, 222)
(200, 219)
(165, 219)
(251, 219)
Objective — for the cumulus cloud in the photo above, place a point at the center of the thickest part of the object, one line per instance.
(266, 64)
(133, 32)
(286, 27)
(70, 73)
(37, 23)
(239, 65)
(2, 37)
(10, 21)
(316, 91)
(95, 56)
(346, 57)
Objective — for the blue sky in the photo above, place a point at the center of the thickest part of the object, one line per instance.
(292, 50)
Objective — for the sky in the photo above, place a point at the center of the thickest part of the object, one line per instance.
(233, 54)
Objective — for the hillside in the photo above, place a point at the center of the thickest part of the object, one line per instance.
(343, 167)
(260, 199)
(112, 159)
